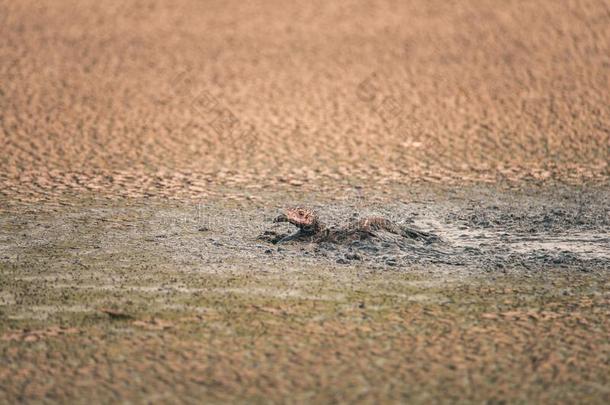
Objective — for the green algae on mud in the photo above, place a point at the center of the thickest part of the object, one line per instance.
(318, 333)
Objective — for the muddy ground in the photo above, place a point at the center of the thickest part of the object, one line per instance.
(151, 300)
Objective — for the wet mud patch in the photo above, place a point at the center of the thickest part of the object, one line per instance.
(551, 232)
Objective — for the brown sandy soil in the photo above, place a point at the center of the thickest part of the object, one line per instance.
(127, 97)
(144, 147)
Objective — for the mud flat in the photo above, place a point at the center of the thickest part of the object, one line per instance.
(145, 147)
(148, 300)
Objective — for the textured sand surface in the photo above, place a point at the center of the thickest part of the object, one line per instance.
(160, 98)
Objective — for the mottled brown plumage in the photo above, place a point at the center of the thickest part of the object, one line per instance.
(312, 229)
(303, 218)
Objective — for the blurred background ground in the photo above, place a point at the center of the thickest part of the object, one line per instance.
(139, 98)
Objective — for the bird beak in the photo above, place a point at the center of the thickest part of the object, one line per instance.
(281, 218)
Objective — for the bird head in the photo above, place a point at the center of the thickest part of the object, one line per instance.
(302, 218)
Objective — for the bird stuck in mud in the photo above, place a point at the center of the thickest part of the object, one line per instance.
(311, 229)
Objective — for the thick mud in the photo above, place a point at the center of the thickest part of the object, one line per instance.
(479, 229)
